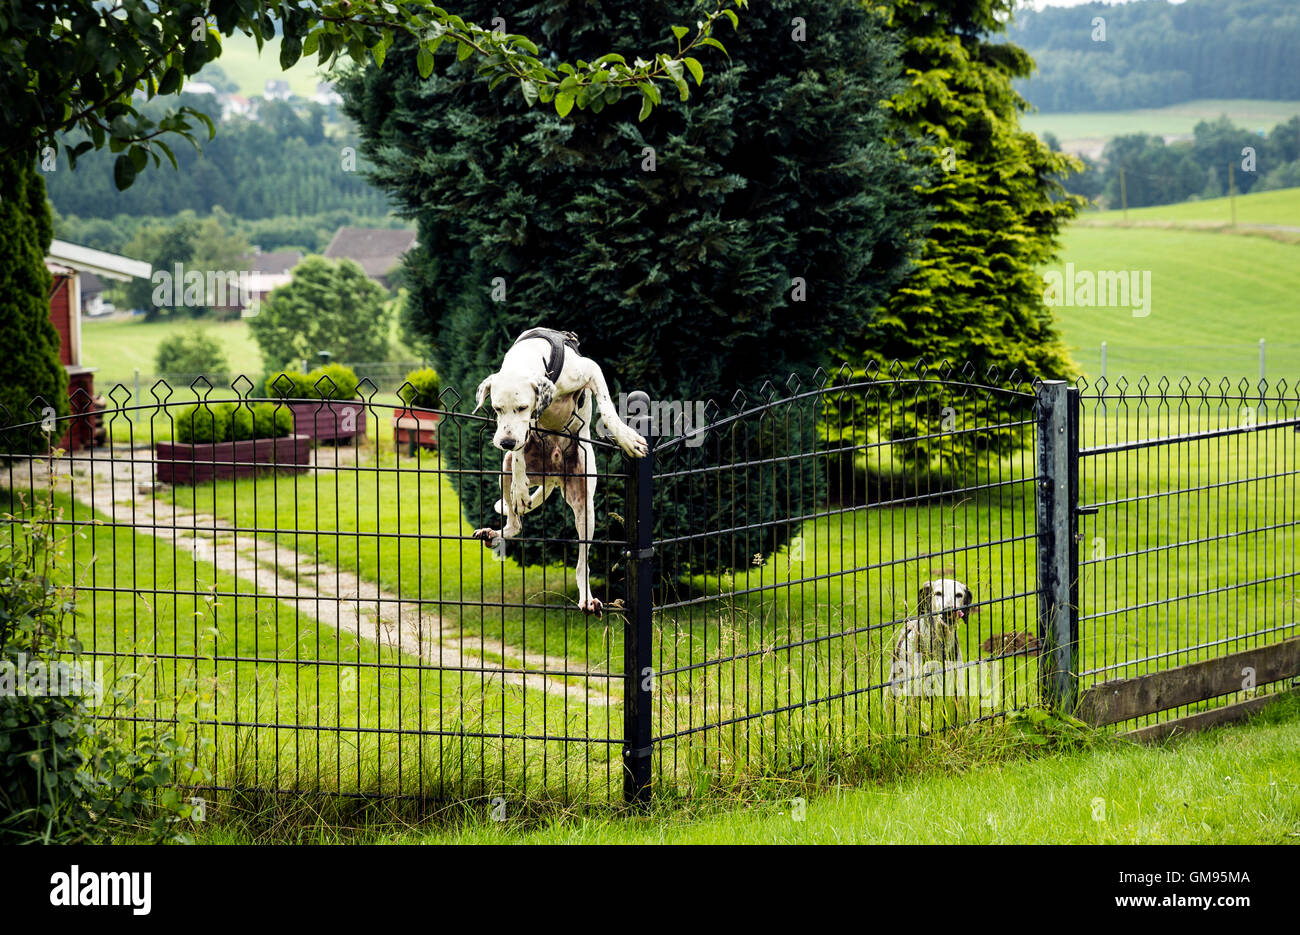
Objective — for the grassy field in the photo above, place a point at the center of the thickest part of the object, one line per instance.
(1280, 207)
(242, 63)
(119, 347)
(811, 623)
(1233, 785)
(1174, 120)
(1213, 297)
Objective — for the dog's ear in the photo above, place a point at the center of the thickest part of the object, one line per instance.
(543, 395)
(970, 599)
(924, 604)
(480, 397)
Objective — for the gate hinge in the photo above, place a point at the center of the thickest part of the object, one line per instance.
(638, 753)
(639, 553)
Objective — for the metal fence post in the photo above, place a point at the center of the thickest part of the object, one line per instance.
(1057, 412)
(638, 668)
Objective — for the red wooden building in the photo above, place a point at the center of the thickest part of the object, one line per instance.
(66, 262)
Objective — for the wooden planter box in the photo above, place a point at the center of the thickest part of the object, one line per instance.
(193, 464)
(419, 423)
(330, 420)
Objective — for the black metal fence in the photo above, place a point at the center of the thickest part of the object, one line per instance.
(315, 614)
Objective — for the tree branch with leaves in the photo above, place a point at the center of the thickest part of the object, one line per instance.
(77, 65)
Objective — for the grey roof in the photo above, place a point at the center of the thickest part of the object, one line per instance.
(377, 249)
(277, 261)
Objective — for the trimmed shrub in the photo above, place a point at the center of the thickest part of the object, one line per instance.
(203, 423)
(344, 380)
(241, 423)
(193, 351)
(304, 384)
(207, 423)
(272, 421)
(298, 386)
(422, 393)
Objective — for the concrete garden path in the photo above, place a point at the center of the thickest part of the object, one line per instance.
(120, 484)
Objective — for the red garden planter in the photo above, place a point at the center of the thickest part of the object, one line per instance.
(330, 420)
(418, 422)
(192, 464)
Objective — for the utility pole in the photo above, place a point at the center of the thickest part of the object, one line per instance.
(1123, 193)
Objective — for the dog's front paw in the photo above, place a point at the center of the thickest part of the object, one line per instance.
(632, 443)
(489, 536)
(591, 605)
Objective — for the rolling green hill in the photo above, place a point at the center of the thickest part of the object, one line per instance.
(1281, 208)
(1174, 120)
(1214, 296)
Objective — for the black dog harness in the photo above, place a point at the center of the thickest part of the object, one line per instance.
(559, 341)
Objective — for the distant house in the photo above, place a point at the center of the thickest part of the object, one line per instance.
(326, 95)
(277, 89)
(92, 296)
(235, 105)
(377, 250)
(68, 263)
(265, 271)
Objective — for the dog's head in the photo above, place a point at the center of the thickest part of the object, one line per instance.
(947, 597)
(518, 401)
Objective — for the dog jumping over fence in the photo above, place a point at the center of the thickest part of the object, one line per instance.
(926, 644)
(545, 383)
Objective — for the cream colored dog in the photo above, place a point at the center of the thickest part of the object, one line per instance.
(542, 399)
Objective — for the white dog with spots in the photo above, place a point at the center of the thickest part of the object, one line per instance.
(926, 645)
(545, 383)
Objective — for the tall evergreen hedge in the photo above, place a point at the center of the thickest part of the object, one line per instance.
(680, 281)
(29, 366)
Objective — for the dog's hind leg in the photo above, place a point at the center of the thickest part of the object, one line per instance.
(580, 494)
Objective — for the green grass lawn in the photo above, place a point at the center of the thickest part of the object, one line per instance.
(1280, 207)
(817, 624)
(273, 698)
(117, 348)
(1237, 784)
(1176, 119)
(1213, 297)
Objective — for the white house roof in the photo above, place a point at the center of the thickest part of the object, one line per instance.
(104, 265)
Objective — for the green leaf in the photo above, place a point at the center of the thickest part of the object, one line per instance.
(564, 103)
(696, 70)
(424, 62)
(123, 172)
(464, 51)
(290, 52)
(646, 106)
(530, 91)
(680, 31)
(171, 81)
(716, 44)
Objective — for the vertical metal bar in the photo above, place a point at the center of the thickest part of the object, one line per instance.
(1058, 546)
(638, 670)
